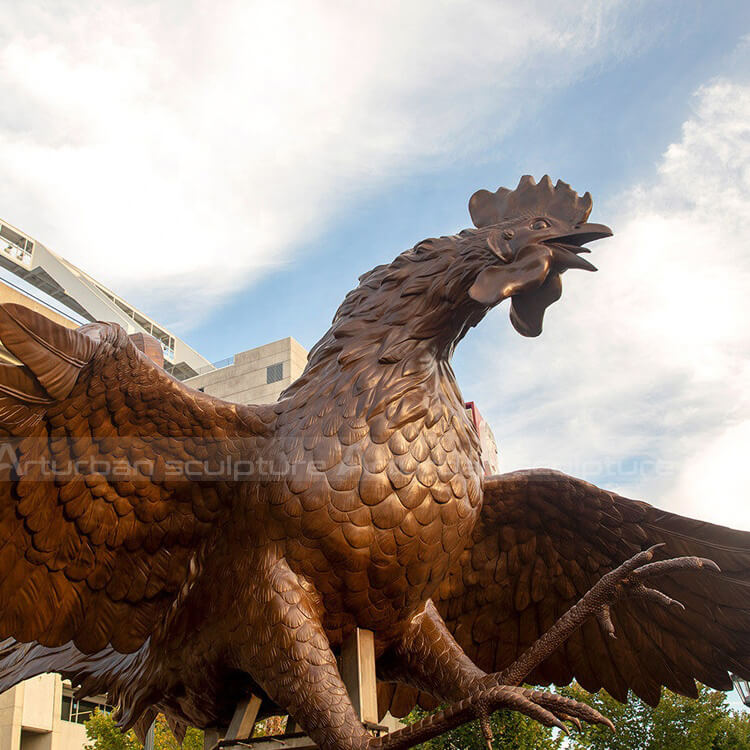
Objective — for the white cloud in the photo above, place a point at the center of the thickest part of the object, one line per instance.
(199, 142)
(641, 379)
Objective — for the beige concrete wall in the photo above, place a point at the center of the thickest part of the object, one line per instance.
(9, 294)
(11, 709)
(244, 381)
(32, 706)
(39, 703)
(70, 736)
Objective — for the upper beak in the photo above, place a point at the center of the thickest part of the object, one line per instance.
(582, 234)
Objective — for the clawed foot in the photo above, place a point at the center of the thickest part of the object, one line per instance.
(500, 690)
(624, 582)
(629, 582)
(547, 708)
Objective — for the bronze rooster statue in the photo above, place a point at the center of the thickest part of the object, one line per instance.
(179, 551)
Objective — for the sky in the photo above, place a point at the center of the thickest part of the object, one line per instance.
(232, 168)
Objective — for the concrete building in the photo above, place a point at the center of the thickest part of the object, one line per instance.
(82, 299)
(41, 714)
(256, 376)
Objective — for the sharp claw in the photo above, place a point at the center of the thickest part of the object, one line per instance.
(569, 709)
(484, 723)
(486, 730)
(572, 719)
(637, 561)
(710, 564)
(549, 709)
(643, 592)
(604, 617)
(534, 708)
(664, 567)
(624, 581)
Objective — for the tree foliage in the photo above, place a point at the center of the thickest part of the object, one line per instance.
(104, 734)
(510, 729)
(677, 723)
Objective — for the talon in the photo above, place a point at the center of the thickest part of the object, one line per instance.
(541, 714)
(674, 564)
(484, 723)
(573, 720)
(571, 708)
(637, 561)
(604, 616)
(643, 592)
(487, 732)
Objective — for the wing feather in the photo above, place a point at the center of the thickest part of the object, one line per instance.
(97, 525)
(547, 538)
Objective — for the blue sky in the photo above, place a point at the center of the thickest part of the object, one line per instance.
(231, 169)
(603, 131)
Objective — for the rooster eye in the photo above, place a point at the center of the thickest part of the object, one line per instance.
(541, 224)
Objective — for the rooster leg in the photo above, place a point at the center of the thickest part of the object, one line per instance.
(500, 690)
(625, 582)
(285, 650)
(427, 657)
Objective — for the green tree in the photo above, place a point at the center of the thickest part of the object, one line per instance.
(734, 732)
(510, 729)
(632, 720)
(104, 734)
(676, 723)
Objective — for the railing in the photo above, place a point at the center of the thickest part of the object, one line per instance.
(216, 365)
(70, 315)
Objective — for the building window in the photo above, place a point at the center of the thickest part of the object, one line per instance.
(274, 373)
(80, 711)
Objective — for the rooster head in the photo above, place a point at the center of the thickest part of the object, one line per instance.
(536, 232)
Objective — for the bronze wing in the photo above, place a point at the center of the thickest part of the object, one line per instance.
(545, 538)
(112, 483)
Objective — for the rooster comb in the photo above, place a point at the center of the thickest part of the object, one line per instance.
(529, 198)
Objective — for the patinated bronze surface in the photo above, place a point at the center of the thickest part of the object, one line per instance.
(182, 552)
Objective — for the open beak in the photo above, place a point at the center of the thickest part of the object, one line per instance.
(532, 279)
(566, 248)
